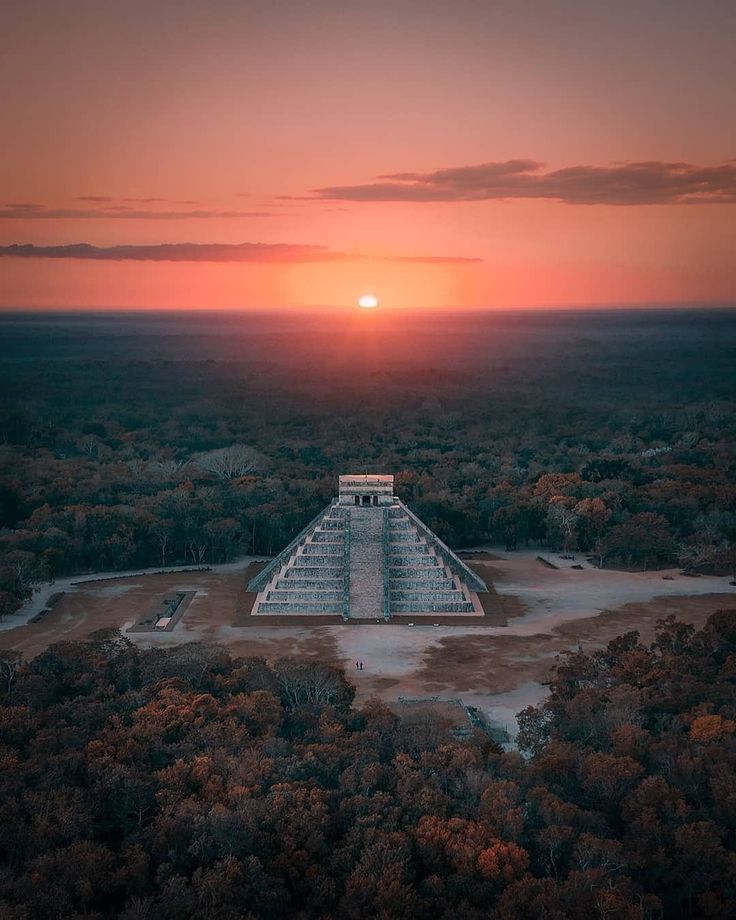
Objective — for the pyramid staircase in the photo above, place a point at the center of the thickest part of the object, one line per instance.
(367, 563)
(309, 576)
(425, 576)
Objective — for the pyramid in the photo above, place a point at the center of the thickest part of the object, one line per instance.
(367, 557)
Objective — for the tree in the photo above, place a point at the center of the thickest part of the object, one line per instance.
(642, 539)
(312, 684)
(561, 524)
(696, 555)
(508, 522)
(228, 462)
(162, 532)
(550, 485)
(9, 603)
(28, 571)
(10, 660)
(593, 516)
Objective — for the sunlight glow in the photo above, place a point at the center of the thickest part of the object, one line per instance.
(368, 301)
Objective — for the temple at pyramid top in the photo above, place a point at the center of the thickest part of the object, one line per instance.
(367, 557)
(366, 489)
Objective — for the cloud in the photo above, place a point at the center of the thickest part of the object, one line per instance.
(107, 199)
(648, 182)
(41, 212)
(435, 260)
(211, 252)
(179, 252)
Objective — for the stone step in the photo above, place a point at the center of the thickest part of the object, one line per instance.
(295, 594)
(409, 561)
(279, 608)
(318, 556)
(421, 596)
(409, 571)
(322, 549)
(408, 607)
(315, 571)
(423, 583)
(294, 582)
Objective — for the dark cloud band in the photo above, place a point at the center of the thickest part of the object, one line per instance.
(117, 211)
(650, 182)
(208, 252)
(179, 252)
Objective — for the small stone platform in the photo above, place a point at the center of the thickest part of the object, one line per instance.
(166, 614)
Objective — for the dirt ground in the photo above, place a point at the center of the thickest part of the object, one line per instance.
(499, 669)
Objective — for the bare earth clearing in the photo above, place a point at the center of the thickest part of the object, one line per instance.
(498, 669)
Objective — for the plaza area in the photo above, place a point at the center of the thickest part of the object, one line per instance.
(499, 669)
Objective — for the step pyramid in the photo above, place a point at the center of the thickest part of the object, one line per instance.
(367, 557)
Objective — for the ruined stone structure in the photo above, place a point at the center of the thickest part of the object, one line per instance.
(367, 556)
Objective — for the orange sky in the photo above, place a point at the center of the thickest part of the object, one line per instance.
(137, 124)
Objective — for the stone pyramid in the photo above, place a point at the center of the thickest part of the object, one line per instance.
(367, 556)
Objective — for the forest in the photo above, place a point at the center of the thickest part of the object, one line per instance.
(185, 783)
(149, 440)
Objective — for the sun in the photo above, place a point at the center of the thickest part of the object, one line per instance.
(368, 301)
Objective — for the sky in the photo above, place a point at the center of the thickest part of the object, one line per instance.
(461, 154)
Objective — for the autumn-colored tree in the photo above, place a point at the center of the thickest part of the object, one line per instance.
(185, 783)
(643, 539)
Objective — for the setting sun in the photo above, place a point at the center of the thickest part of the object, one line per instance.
(368, 301)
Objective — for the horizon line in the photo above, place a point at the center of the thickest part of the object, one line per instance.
(627, 306)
